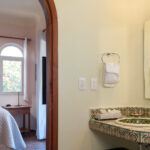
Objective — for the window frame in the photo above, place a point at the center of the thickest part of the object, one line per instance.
(11, 58)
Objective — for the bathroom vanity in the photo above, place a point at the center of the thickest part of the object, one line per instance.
(136, 129)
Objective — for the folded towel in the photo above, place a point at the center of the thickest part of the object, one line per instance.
(111, 74)
(110, 114)
(112, 68)
(107, 116)
(110, 78)
(114, 111)
(109, 85)
(103, 111)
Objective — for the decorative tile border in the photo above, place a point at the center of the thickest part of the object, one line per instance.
(120, 131)
(115, 131)
(126, 111)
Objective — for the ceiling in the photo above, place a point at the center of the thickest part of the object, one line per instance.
(21, 8)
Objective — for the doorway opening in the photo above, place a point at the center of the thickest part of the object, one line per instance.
(23, 26)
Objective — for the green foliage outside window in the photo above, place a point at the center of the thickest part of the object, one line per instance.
(12, 76)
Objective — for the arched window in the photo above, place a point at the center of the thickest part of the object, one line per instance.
(11, 51)
(11, 69)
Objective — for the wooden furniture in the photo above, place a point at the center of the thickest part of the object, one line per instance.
(21, 110)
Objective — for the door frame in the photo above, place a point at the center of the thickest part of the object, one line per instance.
(52, 73)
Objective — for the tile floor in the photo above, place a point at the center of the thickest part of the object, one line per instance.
(33, 144)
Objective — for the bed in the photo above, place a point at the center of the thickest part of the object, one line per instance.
(10, 136)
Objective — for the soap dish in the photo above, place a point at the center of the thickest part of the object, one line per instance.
(136, 115)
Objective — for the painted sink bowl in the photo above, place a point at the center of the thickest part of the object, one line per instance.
(136, 122)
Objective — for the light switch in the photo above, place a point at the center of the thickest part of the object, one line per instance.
(94, 83)
(82, 83)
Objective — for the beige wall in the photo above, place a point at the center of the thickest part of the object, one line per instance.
(88, 28)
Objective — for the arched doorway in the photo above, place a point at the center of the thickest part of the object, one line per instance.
(52, 73)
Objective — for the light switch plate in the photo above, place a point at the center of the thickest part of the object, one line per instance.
(94, 83)
(82, 83)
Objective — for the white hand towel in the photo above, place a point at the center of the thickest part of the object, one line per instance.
(109, 85)
(111, 74)
(108, 115)
(103, 111)
(110, 78)
(112, 68)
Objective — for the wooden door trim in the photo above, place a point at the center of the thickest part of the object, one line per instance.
(52, 73)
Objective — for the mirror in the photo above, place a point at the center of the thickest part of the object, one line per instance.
(147, 59)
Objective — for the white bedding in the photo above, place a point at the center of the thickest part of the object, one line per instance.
(10, 135)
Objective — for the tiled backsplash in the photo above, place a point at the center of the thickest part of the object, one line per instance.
(126, 111)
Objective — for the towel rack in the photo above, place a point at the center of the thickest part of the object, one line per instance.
(110, 54)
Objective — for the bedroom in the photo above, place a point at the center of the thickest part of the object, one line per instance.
(22, 55)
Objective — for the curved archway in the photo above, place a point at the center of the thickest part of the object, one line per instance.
(52, 73)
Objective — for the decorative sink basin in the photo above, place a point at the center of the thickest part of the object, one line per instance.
(136, 122)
